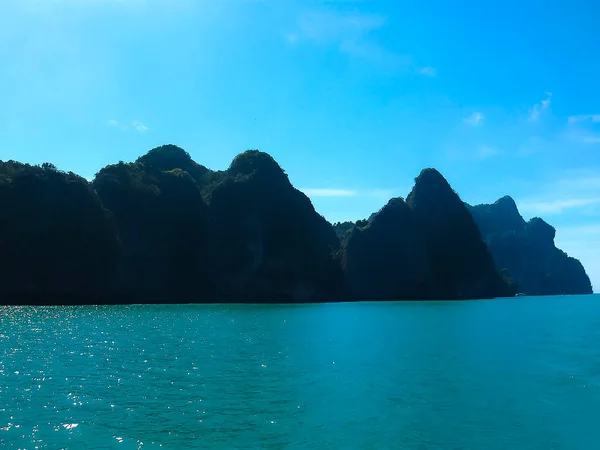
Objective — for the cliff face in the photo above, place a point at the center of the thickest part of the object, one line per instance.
(425, 248)
(166, 229)
(387, 259)
(460, 264)
(527, 252)
(267, 242)
(193, 235)
(56, 238)
(161, 221)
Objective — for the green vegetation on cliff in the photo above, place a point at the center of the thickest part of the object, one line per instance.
(425, 248)
(387, 259)
(56, 238)
(166, 229)
(526, 251)
(460, 264)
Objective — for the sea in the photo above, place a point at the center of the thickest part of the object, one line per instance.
(520, 373)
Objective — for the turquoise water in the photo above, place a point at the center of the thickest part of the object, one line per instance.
(515, 373)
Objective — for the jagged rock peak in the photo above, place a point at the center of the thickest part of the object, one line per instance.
(394, 208)
(431, 188)
(507, 202)
(541, 230)
(431, 176)
(168, 157)
(255, 162)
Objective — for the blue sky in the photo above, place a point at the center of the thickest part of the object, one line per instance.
(353, 98)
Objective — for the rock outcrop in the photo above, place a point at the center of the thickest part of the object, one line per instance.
(267, 243)
(165, 229)
(526, 251)
(386, 259)
(56, 239)
(428, 247)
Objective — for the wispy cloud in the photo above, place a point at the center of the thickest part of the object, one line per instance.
(428, 71)
(572, 190)
(538, 109)
(579, 181)
(584, 128)
(338, 27)
(472, 152)
(353, 34)
(584, 118)
(329, 192)
(485, 151)
(556, 206)
(474, 119)
(586, 138)
(135, 125)
(139, 127)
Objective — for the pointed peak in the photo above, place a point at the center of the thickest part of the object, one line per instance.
(166, 157)
(255, 161)
(394, 204)
(541, 230)
(430, 175)
(171, 157)
(395, 208)
(508, 205)
(506, 202)
(431, 187)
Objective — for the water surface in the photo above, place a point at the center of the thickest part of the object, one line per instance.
(510, 373)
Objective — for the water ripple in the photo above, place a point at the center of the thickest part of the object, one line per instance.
(488, 375)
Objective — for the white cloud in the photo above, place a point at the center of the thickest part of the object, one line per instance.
(383, 193)
(428, 71)
(580, 231)
(352, 32)
(485, 151)
(538, 109)
(580, 181)
(574, 191)
(472, 153)
(584, 128)
(329, 192)
(572, 198)
(556, 206)
(139, 127)
(584, 118)
(378, 193)
(588, 138)
(339, 28)
(474, 119)
(135, 125)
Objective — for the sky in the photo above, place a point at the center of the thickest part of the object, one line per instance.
(352, 98)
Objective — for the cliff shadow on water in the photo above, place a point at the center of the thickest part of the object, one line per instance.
(165, 229)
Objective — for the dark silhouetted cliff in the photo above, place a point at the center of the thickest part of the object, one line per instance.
(267, 243)
(428, 247)
(56, 239)
(386, 259)
(161, 219)
(166, 229)
(460, 264)
(527, 252)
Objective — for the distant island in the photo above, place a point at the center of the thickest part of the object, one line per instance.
(165, 229)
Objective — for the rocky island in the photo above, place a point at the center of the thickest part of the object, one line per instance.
(165, 229)
(526, 251)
